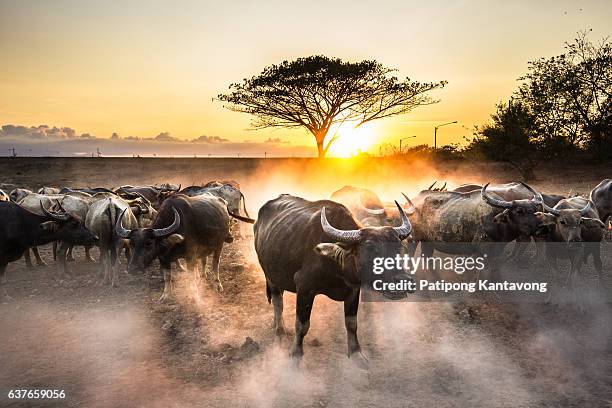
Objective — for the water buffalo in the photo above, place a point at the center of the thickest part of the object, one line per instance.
(229, 192)
(573, 221)
(21, 229)
(601, 196)
(48, 190)
(31, 201)
(467, 188)
(476, 216)
(314, 247)
(185, 227)
(364, 204)
(101, 219)
(155, 195)
(18, 194)
(217, 183)
(520, 213)
(87, 190)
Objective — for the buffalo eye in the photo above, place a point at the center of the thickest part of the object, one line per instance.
(562, 222)
(520, 211)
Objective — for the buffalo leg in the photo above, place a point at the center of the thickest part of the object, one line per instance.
(115, 250)
(3, 264)
(351, 305)
(203, 266)
(520, 246)
(277, 301)
(193, 265)
(28, 258)
(411, 247)
(215, 266)
(39, 261)
(55, 250)
(128, 254)
(70, 256)
(3, 292)
(104, 264)
(302, 322)
(594, 249)
(62, 252)
(167, 273)
(88, 257)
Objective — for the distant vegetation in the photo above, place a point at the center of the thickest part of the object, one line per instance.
(561, 111)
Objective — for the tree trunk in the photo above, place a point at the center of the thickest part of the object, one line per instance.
(320, 148)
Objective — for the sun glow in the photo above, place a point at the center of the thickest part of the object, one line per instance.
(350, 140)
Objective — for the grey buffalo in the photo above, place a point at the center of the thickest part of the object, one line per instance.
(575, 223)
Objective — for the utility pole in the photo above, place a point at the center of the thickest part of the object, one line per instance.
(436, 132)
(400, 142)
(14, 152)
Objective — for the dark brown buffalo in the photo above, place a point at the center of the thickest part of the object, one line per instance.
(185, 227)
(601, 196)
(21, 229)
(315, 247)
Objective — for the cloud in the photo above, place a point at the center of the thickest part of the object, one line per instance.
(276, 140)
(209, 139)
(45, 140)
(40, 132)
(165, 137)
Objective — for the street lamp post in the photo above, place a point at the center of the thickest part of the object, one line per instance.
(400, 142)
(436, 132)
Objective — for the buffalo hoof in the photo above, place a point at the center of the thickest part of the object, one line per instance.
(360, 361)
(295, 360)
(90, 260)
(41, 263)
(165, 297)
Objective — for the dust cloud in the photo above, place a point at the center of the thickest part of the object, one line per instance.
(119, 348)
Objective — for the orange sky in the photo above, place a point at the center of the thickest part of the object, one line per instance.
(144, 67)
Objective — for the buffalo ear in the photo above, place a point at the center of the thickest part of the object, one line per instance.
(49, 226)
(502, 217)
(332, 251)
(175, 239)
(546, 218)
(592, 222)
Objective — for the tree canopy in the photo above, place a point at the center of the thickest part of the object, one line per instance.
(318, 93)
(569, 96)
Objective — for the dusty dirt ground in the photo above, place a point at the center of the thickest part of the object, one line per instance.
(118, 347)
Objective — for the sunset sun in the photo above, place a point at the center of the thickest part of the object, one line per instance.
(352, 141)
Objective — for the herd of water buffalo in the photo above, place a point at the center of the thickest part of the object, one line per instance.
(305, 247)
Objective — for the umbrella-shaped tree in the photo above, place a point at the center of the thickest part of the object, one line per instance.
(318, 92)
